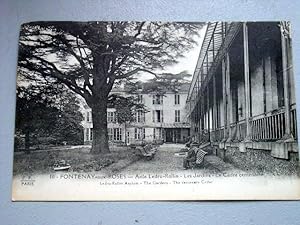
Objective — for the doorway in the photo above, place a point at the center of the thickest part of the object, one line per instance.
(173, 135)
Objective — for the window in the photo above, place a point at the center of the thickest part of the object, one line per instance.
(111, 117)
(177, 99)
(114, 134)
(157, 99)
(117, 134)
(177, 115)
(157, 133)
(87, 134)
(140, 116)
(91, 134)
(139, 133)
(88, 118)
(140, 99)
(157, 116)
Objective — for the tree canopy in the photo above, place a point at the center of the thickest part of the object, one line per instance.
(126, 107)
(90, 57)
(159, 84)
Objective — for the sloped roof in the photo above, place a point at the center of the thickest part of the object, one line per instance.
(145, 87)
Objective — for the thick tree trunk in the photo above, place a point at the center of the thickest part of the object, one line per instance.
(100, 136)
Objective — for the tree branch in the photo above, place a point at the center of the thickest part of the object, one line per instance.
(139, 29)
(128, 74)
(56, 73)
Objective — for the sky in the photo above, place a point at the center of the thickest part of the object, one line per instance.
(188, 62)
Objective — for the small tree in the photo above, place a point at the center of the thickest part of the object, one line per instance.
(68, 126)
(125, 109)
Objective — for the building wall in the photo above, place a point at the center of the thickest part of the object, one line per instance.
(264, 82)
(88, 126)
(271, 83)
(168, 108)
(257, 90)
(241, 100)
(221, 112)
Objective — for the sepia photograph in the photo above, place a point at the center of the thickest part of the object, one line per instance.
(135, 111)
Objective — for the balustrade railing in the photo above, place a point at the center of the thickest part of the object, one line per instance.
(238, 130)
(294, 122)
(219, 134)
(264, 127)
(268, 127)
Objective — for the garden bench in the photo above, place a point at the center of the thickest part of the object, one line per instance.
(199, 158)
(147, 152)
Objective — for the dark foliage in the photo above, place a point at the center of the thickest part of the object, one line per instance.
(46, 116)
(90, 57)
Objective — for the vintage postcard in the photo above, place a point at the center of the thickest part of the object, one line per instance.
(130, 111)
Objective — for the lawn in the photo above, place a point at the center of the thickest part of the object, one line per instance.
(81, 160)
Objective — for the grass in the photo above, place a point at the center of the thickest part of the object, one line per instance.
(81, 160)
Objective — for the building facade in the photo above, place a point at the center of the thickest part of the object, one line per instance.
(242, 95)
(163, 120)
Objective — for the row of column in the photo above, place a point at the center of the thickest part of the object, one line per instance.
(226, 95)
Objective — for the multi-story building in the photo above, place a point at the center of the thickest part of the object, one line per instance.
(164, 119)
(242, 95)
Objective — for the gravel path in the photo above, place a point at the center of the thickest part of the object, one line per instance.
(165, 161)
